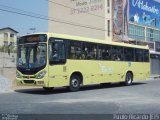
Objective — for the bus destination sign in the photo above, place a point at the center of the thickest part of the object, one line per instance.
(32, 39)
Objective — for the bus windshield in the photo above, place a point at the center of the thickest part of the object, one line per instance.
(31, 55)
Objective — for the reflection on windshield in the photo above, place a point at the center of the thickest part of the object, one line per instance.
(31, 55)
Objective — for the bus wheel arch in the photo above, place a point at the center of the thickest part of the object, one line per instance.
(76, 79)
(129, 78)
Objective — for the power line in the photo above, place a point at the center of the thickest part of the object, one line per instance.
(38, 16)
(42, 17)
(15, 9)
(64, 22)
(24, 14)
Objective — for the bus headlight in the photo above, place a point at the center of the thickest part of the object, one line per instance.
(41, 75)
(18, 75)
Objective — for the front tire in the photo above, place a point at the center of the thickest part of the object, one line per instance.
(128, 79)
(74, 83)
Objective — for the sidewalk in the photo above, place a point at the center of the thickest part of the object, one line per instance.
(154, 77)
(7, 79)
(5, 84)
(7, 72)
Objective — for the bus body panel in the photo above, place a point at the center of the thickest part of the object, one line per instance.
(58, 76)
(96, 72)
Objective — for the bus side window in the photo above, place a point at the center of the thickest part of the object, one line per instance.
(117, 53)
(128, 54)
(139, 55)
(89, 50)
(74, 50)
(104, 52)
(146, 55)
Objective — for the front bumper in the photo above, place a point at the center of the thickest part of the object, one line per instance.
(31, 82)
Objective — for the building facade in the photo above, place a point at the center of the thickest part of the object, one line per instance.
(131, 21)
(81, 18)
(8, 36)
(144, 28)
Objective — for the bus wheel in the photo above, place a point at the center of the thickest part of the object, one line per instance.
(74, 83)
(48, 89)
(129, 79)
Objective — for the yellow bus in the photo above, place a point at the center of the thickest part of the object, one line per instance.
(55, 60)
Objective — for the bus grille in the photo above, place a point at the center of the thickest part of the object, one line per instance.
(28, 77)
(29, 81)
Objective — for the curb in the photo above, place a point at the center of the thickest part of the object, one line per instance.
(154, 77)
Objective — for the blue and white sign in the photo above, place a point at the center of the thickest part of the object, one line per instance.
(145, 12)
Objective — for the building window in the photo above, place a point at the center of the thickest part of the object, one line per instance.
(5, 39)
(108, 22)
(12, 35)
(108, 3)
(108, 6)
(136, 32)
(6, 36)
(152, 35)
(5, 43)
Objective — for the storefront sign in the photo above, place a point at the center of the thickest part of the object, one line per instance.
(143, 5)
(145, 12)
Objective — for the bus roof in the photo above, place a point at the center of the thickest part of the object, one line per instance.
(78, 38)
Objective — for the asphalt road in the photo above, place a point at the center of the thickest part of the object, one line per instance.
(141, 97)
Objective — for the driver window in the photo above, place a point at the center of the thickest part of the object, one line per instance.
(54, 54)
(56, 51)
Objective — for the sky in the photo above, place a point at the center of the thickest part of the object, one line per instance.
(22, 24)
